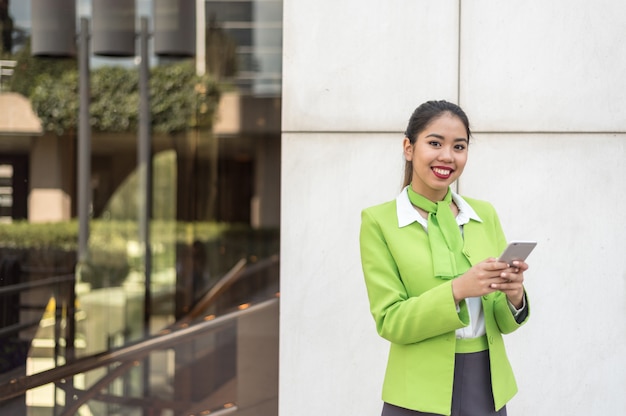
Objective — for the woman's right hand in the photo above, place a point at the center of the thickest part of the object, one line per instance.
(477, 281)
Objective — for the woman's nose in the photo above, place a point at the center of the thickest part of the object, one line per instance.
(446, 154)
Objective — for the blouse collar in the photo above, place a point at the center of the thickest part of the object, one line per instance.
(407, 214)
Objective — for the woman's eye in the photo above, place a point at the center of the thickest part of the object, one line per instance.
(434, 144)
(460, 147)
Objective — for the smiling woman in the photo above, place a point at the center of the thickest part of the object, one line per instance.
(436, 292)
(437, 155)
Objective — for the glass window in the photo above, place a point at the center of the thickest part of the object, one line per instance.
(171, 306)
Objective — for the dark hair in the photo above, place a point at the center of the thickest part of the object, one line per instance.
(422, 117)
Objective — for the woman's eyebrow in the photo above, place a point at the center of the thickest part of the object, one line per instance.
(435, 135)
(439, 136)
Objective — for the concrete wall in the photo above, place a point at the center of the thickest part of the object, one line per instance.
(50, 179)
(543, 84)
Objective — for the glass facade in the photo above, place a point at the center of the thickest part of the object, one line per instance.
(170, 305)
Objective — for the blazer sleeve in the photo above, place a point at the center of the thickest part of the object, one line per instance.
(400, 317)
(503, 315)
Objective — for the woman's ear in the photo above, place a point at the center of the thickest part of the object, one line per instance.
(408, 149)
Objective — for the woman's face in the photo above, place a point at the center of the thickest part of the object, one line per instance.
(438, 156)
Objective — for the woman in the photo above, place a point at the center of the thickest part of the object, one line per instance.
(436, 291)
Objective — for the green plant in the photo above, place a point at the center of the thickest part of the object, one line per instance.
(179, 99)
(55, 101)
(23, 234)
(29, 68)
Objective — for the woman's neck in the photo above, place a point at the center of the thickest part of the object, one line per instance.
(431, 194)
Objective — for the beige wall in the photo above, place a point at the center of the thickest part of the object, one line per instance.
(542, 83)
(51, 178)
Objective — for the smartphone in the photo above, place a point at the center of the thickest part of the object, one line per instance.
(517, 250)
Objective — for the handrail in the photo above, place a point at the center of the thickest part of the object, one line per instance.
(129, 355)
(134, 352)
(20, 287)
(222, 284)
(10, 289)
(12, 329)
(235, 273)
(178, 407)
(226, 281)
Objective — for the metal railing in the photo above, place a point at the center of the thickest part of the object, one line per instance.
(130, 355)
(20, 287)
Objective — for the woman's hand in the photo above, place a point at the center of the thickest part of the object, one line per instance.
(513, 286)
(487, 277)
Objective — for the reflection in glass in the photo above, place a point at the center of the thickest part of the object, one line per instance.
(86, 340)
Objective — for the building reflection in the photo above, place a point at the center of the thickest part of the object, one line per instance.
(85, 340)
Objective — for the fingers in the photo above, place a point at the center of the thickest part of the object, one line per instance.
(490, 276)
(493, 264)
(519, 265)
(512, 279)
(515, 272)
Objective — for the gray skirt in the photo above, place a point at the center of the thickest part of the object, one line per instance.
(471, 393)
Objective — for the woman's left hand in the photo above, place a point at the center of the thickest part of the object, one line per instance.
(513, 288)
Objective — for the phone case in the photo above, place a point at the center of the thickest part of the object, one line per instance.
(517, 250)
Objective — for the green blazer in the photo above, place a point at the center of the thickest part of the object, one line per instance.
(416, 311)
